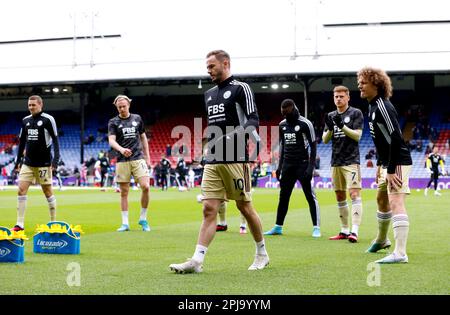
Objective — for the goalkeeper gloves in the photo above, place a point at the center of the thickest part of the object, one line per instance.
(338, 121)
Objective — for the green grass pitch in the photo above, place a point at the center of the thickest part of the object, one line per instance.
(136, 262)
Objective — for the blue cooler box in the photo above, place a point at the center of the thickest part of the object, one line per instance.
(11, 250)
(57, 243)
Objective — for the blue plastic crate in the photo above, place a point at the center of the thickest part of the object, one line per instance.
(57, 243)
(11, 250)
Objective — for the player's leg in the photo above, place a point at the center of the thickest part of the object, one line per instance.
(243, 225)
(353, 179)
(205, 237)
(213, 194)
(384, 214)
(168, 181)
(177, 180)
(44, 178)
(287, 182)
(400, 220)
(208, 227)
(357, 211)
(237, 182)
(26, 177)
(222, 226)
(341, 198)
(139, 170)
(58, 177)
(186, 181)
(314, 208)
(164, 183)
(254, 223)
(144, 183)
(429, 184)
(123, 177)
(124, 191)
(340, 190)
(51, 199)
(436, 177)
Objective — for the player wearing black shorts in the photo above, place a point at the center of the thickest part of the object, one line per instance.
(434, 160)
(296, 163)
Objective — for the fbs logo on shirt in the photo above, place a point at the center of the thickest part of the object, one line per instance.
(216, 109)
(129, 132)
(290, 138)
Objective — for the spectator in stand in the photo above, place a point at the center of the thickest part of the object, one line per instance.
(433, 134)
(416, 132)
(429, 148)
(419, 146)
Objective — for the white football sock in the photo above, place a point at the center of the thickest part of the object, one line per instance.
(400, 224)
(200, 252)
(143, 214)
(124, 217)
(21, 206)
(343, 215)
(261, 248)
(52, 207)
(384, 218)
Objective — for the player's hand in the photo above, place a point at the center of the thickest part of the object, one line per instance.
(278, 174)
(394, 181)
(329, 123)
(15, 171)
(430, 171)
(338, 121)
(54, 165)
(147, 160)
(126, 152)
(239, 130)
(309, 171)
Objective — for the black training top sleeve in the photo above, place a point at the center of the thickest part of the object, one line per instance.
(281, 148)
(22, 141)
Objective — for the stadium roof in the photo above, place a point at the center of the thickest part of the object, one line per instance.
(112, 40)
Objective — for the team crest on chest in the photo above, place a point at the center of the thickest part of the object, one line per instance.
(297, 128)
(227, 94)
(347, 120)
(134, 123)
(39, 123)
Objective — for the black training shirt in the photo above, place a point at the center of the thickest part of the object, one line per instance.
(345, 151)
(387, 135)
(37, 135)
(128, 132)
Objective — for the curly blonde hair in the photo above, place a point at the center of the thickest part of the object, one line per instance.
(379, 78)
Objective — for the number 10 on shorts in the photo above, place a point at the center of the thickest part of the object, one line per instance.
(238, 183)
